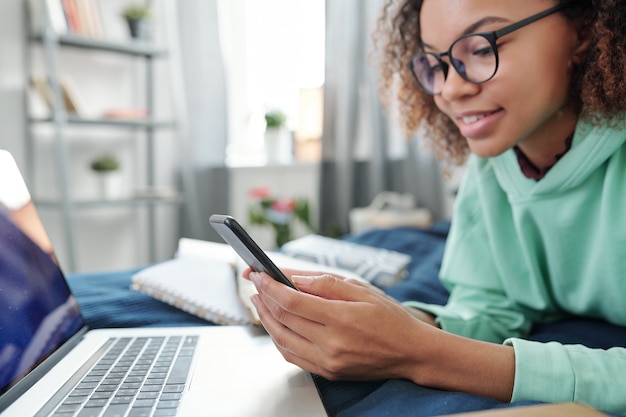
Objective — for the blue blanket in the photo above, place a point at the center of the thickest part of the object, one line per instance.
(107, 301)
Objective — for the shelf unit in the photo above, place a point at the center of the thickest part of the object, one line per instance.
(60, 120)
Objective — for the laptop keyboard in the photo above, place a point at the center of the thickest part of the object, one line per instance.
(136, 377)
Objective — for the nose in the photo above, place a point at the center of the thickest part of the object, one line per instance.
(455, 86)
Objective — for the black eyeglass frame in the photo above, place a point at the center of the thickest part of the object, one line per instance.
(491, 37)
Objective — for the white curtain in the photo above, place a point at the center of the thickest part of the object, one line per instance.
(202, 114)
(363, 152)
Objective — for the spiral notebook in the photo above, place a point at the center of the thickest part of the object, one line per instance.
(204, 279)
(204, 287)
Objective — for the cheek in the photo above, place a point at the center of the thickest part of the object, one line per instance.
(535, 85)
(540, 74)
(442, 105)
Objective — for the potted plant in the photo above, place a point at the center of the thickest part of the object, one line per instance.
(281, 214)
(136, 16)
(275, 119)
(105, 163)
(109, 184)
(278, 141)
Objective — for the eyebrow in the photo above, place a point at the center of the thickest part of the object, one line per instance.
(474, 27)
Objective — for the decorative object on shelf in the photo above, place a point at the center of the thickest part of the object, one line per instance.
(278, 140)
(70, 97)
(137, 16)
(279, 213)
(126, 113)
(109, 180)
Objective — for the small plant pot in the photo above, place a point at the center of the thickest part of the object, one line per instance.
(138, 28)
(109, 185)
(278, 146)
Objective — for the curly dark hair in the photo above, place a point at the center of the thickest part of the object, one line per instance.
(598, 89)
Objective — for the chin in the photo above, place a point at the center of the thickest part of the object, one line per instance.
(484, 149)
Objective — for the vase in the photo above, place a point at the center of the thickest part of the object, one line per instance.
(282, 234)
(110, 185)
(278, 146)
(138, 28)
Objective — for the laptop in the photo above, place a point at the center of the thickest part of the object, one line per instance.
(52, 364)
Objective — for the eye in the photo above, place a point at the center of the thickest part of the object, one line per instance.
(486, 51)
(474, 46)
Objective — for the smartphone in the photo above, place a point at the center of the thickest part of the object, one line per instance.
(235, 235)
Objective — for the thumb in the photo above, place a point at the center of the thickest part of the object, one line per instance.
(327, 286)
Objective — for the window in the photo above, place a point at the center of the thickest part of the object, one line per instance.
(274, 54)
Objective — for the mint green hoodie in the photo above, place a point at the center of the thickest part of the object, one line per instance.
(521, 252)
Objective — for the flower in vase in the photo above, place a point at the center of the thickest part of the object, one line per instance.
(278, 213)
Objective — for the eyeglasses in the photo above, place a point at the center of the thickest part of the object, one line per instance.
(473, 56)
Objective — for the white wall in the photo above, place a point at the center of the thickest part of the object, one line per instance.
(11, 78)
(112, 238)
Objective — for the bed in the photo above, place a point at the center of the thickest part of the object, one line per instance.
(107, 301)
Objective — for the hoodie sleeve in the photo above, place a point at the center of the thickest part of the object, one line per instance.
(478, 314)
(553, 372)
(478, 306)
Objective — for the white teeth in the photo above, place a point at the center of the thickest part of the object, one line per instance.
(472, 119)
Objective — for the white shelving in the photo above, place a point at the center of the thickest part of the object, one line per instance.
(147, 189)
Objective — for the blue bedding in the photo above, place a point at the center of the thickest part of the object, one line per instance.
(106, 301)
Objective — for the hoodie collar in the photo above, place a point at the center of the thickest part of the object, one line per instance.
(591, 146)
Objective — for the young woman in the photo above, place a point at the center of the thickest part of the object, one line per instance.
(534, 92)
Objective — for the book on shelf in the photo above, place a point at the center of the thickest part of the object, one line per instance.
(88, 17)
(80, 17)
(70, 11)
(205, 279)
(69, 94)
(126, 113)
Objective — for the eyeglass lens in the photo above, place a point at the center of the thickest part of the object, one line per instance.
(472, 56)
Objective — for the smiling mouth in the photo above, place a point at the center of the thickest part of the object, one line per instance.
(476, 117)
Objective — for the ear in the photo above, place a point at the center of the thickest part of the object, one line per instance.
(582, 42)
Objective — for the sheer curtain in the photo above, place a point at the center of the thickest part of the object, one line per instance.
(363, 152)
(201, 105)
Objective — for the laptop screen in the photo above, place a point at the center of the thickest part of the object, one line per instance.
(37, 310)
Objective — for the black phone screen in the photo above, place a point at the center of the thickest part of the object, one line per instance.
(235, 235)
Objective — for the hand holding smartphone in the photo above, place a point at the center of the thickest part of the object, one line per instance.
(235, 235)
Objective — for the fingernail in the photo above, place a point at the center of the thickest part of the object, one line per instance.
(255, 277)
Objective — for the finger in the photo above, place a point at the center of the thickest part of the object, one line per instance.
(293, 346)
(309, 306)
(246, 273)
(330, 287)
(289, 272)
(291, 317)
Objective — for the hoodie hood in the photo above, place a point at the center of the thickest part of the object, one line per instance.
(591, 147)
